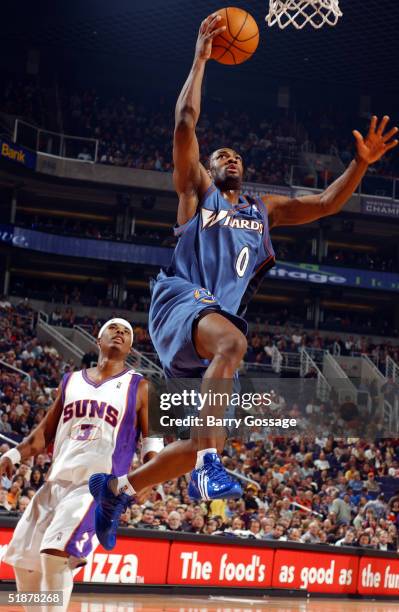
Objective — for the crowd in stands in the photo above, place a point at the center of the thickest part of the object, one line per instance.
(265, 336)
(135, 136)
(305, 490)
(311, 489)
(139, 134)
(288, 339)
(23, 99)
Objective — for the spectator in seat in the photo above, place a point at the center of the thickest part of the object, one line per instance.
(312, 535)
(124, 520)
(277, 533)
(36, 478)
(23, 503)
(211, 526)
(197, 524)
(147, 519)
(174, 521)
(84, 155)
(363, 541)
(378, 506)
(341, 509)
(4, 505)
(384, 543)
(347, 540)
(371, 484)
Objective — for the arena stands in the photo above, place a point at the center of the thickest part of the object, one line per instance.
(123, 126)
(269, 144)
(309, 489)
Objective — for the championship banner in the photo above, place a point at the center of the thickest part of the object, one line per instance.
(378, 576)
(380, 207)
(206, 564)
(315, 572)
(17, 154)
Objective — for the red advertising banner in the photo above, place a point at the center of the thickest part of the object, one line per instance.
(315, 572)
(207, 564)
(6, 571)
(378, 576)
(132, 561)
(152, 561)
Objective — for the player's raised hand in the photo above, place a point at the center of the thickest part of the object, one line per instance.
(209, 29)
(6, 467)
(377, 142)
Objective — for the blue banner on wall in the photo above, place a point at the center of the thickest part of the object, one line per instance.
(339, 277)
(17, 154)
(160, 256)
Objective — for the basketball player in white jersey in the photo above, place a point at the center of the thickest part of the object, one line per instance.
(94, 424)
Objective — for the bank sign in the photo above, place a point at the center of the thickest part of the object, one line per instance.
(17, 154)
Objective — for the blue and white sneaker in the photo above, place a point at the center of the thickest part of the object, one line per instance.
(109, 509)
(212, 481)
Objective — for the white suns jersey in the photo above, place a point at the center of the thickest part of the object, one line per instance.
(96, 431)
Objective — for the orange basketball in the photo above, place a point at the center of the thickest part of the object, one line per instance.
(240, 39)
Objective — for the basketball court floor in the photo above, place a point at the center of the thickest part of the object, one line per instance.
(134, 602)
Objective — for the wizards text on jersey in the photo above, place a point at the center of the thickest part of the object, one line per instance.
(226, 218)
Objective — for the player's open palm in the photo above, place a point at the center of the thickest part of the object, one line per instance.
(209, 29)
(377, 142)
(6, 467)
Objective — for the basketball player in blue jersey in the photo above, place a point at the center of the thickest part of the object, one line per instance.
(223, 251)
(94, 423)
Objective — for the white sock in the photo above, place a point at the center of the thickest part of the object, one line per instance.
(200, 456)
(28, 581)
(57, 576)
(121, 485)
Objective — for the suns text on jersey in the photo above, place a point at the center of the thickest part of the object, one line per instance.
(91, 408)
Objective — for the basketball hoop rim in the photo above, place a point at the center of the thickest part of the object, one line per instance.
(300, 13)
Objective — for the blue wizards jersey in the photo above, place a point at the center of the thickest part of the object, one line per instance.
(224, 249)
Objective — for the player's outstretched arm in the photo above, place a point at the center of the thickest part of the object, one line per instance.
(38, 439)
(190, 178)
(296, 211)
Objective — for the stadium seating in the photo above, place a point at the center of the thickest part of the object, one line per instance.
(309, 489)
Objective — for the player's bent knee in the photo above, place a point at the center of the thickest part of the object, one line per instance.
(233, 347)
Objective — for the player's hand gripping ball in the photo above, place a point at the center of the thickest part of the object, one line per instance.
(239, 40)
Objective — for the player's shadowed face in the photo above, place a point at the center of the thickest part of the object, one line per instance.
(116, 340)
(226, 169)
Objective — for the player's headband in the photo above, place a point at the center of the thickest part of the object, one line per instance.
(116, 320)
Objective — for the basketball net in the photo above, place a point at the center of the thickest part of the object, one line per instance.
(299, 13)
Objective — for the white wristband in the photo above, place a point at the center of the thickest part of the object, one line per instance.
(13, 455)
(151, 445)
